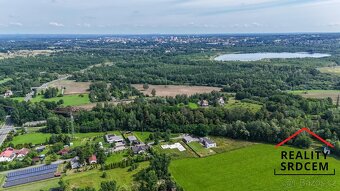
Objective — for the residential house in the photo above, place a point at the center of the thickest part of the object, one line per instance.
(139, 149)
(203, 103)
(40, 148)
(22, 152)
(8, 155)
(93, 159)
(207, 142)
(188, 139)
(114, 139)
(64, 151)
(75, 163)
(133, 140)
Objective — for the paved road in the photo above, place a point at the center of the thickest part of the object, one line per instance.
(5, 129)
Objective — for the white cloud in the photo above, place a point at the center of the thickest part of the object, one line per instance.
(56, 24)
(16, 24)
(84, 25)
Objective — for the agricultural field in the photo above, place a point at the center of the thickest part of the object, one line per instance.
(319, 94)
(69, 100)
(232, 103)
(72, 87)
(173, 90)
(249, 167)
(200, 150)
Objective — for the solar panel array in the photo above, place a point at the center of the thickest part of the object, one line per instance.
(30, 175)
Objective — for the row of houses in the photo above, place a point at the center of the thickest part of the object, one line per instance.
(9, 154)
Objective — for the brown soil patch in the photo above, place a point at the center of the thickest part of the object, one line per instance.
(72, 87)
(173, 90)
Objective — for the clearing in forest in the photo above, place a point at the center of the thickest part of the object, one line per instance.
(173, 90)
(319, 94)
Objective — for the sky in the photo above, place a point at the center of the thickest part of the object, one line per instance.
(168, 16)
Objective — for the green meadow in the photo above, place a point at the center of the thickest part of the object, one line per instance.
(69, 100)
(249, 168)
(34, 138)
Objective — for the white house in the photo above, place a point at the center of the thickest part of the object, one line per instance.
(114, 139)
(207, 142)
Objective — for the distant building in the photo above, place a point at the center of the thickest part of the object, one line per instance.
(8, 93)
(203, 103)
(93, 159)
(139, 149)
(75, 163)
(207, 142)
(221, 101)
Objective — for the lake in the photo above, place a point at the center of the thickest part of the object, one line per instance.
(268, 55)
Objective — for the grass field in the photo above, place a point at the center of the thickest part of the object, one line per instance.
(249, 168)
(90, 178)
(330, 70)
(34, 138)
(232, 103)
(225, 144)
(69, 100)
(116, 157)
(142, 136)
(200, 149)
(319, 94)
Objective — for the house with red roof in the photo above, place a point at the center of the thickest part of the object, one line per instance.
(93, 159)
(22, 152)
(8, 155)
(64, 151)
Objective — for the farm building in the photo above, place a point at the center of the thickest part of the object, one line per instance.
(207, 142)
(139, 149)
(93, 159)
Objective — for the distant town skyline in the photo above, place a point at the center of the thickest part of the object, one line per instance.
(168, 16)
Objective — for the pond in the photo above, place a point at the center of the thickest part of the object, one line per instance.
(268, 55)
